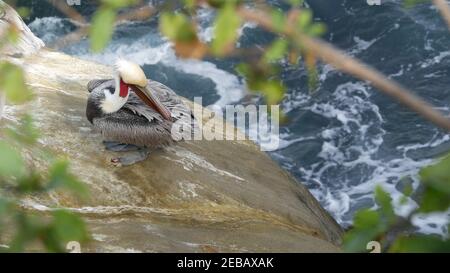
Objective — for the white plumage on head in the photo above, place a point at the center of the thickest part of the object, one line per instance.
(131, 73)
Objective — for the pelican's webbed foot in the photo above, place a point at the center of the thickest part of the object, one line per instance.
(133, 154)
(120, 147)
(131, 158)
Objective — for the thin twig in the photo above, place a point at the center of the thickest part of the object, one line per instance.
(139, 14)
(444, 9)
(68, 11)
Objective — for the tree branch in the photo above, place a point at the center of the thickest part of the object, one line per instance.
(444, 9)
(341, 61)
(68, 11)
(140, 13)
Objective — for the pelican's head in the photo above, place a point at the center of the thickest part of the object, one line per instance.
(130, 76)
(131, 73)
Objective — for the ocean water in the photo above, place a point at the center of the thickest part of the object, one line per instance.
(347, 137)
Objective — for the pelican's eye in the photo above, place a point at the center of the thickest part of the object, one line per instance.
(109, 90)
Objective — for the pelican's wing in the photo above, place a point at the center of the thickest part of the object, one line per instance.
(126, 127)
(138, 107)
(171, 100)
(166, 96)
(181, 113)
(92, 85)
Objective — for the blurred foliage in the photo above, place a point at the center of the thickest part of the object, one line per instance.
(412, 3)
(226, 28)
(102, 24)
(20, 228)
(11, 80)
(395, 233)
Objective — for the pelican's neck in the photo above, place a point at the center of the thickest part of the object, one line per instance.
(113, 102)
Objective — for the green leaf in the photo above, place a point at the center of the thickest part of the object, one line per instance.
(408, 189)
(225, 29)
(59, 176)
(12, 36)
(30, 184)
(366, 219)
(434, 200)
(295, 2)
(69, 227)
(11, 162)
(6, 207)
(24, 12)
(102, 28)
(273, 91)
(243, 69)
(369, 224)
(278, 20)
(177, 27)
(169, 24)
(222, 3)
(118, 4)
(65, 227)
(412, 3)
(28, 229)
(366, 228)
(24, 132)
(263, 79)
(420, 244)
(313, 78)
(436, 179)
(190, 4)
(12, 81)
(276, 51)
(305, 19)
(437, 176)
(384, 200)
(317, 29)
(357, 240)
(6, 210)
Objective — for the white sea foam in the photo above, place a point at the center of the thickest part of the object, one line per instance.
(361, 45)
(433, 223)
(345, 176)
(436, 59)
(48, 29)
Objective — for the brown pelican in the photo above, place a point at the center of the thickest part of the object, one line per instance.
(135, 114)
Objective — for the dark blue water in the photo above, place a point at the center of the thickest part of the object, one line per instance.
(347, 137)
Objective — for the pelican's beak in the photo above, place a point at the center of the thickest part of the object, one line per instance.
(146, 95)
